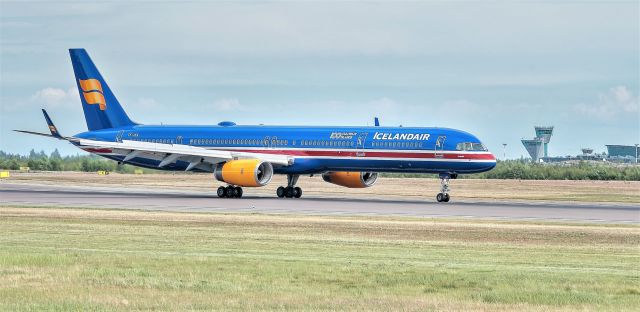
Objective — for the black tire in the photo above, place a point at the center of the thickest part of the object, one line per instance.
(280, 192)
(440, 197)
(239, 192)
(288, 192)
(446, 198)
(222, 192)
(297, 192)
(231, 191)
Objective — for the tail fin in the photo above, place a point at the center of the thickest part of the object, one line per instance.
(101, 108)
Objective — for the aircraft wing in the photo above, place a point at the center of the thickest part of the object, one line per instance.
(197, 157)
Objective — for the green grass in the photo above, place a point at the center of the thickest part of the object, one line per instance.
(73, 259)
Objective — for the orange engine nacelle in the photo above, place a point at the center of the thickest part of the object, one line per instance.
(351, 179)
(244, 172)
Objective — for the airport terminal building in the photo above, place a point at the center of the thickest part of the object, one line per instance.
(624, 153)
(538, 149)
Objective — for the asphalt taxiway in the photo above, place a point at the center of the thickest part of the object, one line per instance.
(194, 201)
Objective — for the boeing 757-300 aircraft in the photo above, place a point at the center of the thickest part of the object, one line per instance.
(249, 156)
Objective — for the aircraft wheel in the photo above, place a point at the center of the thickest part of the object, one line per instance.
(222, 192)
(446, 198)
(440, 197)
(231, 191)
(238, 192)
(297, 192)
(280, 192)
(289, 192)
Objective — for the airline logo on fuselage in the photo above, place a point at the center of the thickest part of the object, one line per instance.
(401, 136)
(343, 135)
(92, 92)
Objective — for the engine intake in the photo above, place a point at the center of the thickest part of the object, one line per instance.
(244, 172)
(351, 179)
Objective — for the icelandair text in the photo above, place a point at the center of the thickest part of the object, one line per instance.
(402, 136)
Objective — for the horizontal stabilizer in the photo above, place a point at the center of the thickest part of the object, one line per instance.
(37, 133)
(54, 131)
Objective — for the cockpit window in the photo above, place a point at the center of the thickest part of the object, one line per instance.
(473, 147)
(478, 147)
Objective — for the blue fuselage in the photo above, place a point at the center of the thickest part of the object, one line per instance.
(319, 149)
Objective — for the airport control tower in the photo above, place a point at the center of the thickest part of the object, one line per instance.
(545, 134)
(535, 147)
(538, 146)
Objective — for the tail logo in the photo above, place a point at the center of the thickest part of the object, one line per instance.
(92, 92)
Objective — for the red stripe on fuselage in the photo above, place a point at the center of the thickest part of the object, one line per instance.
(399, 154)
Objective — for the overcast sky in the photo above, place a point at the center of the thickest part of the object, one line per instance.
(494, 69)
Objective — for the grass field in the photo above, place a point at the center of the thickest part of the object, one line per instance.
(393, 188)
(78, 259)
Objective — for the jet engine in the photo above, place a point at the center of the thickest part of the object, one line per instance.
(351, 179)
(244, 172)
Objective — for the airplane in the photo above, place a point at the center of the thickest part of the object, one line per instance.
(249, 156)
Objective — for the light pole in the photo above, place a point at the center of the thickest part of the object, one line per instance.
(504, 151)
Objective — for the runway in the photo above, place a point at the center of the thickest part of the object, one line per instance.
(193, 201)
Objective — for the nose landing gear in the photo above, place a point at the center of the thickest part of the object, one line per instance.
(291, 191)
(229, 192)
(443, 196)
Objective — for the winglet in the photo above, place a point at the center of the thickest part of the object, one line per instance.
(376, 122)
(52, 127)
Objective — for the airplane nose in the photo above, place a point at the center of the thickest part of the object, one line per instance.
(492, 164)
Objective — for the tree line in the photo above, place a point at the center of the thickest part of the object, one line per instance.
(40, 161)
(510, 169)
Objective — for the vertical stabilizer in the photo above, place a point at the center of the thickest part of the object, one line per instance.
(101, 108)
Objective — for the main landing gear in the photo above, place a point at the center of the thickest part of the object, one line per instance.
(443, 196)
(230, 192)
(291, 191)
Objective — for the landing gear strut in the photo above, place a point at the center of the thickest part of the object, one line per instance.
(291, 191)
(230, 192)
(443, 196)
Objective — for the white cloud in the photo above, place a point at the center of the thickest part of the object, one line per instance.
(228, 105)
(55, 96)
(618, 100)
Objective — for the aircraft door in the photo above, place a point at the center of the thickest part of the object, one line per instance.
(360, 143)
(119, 136)
(440, 146)
(179, 139)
